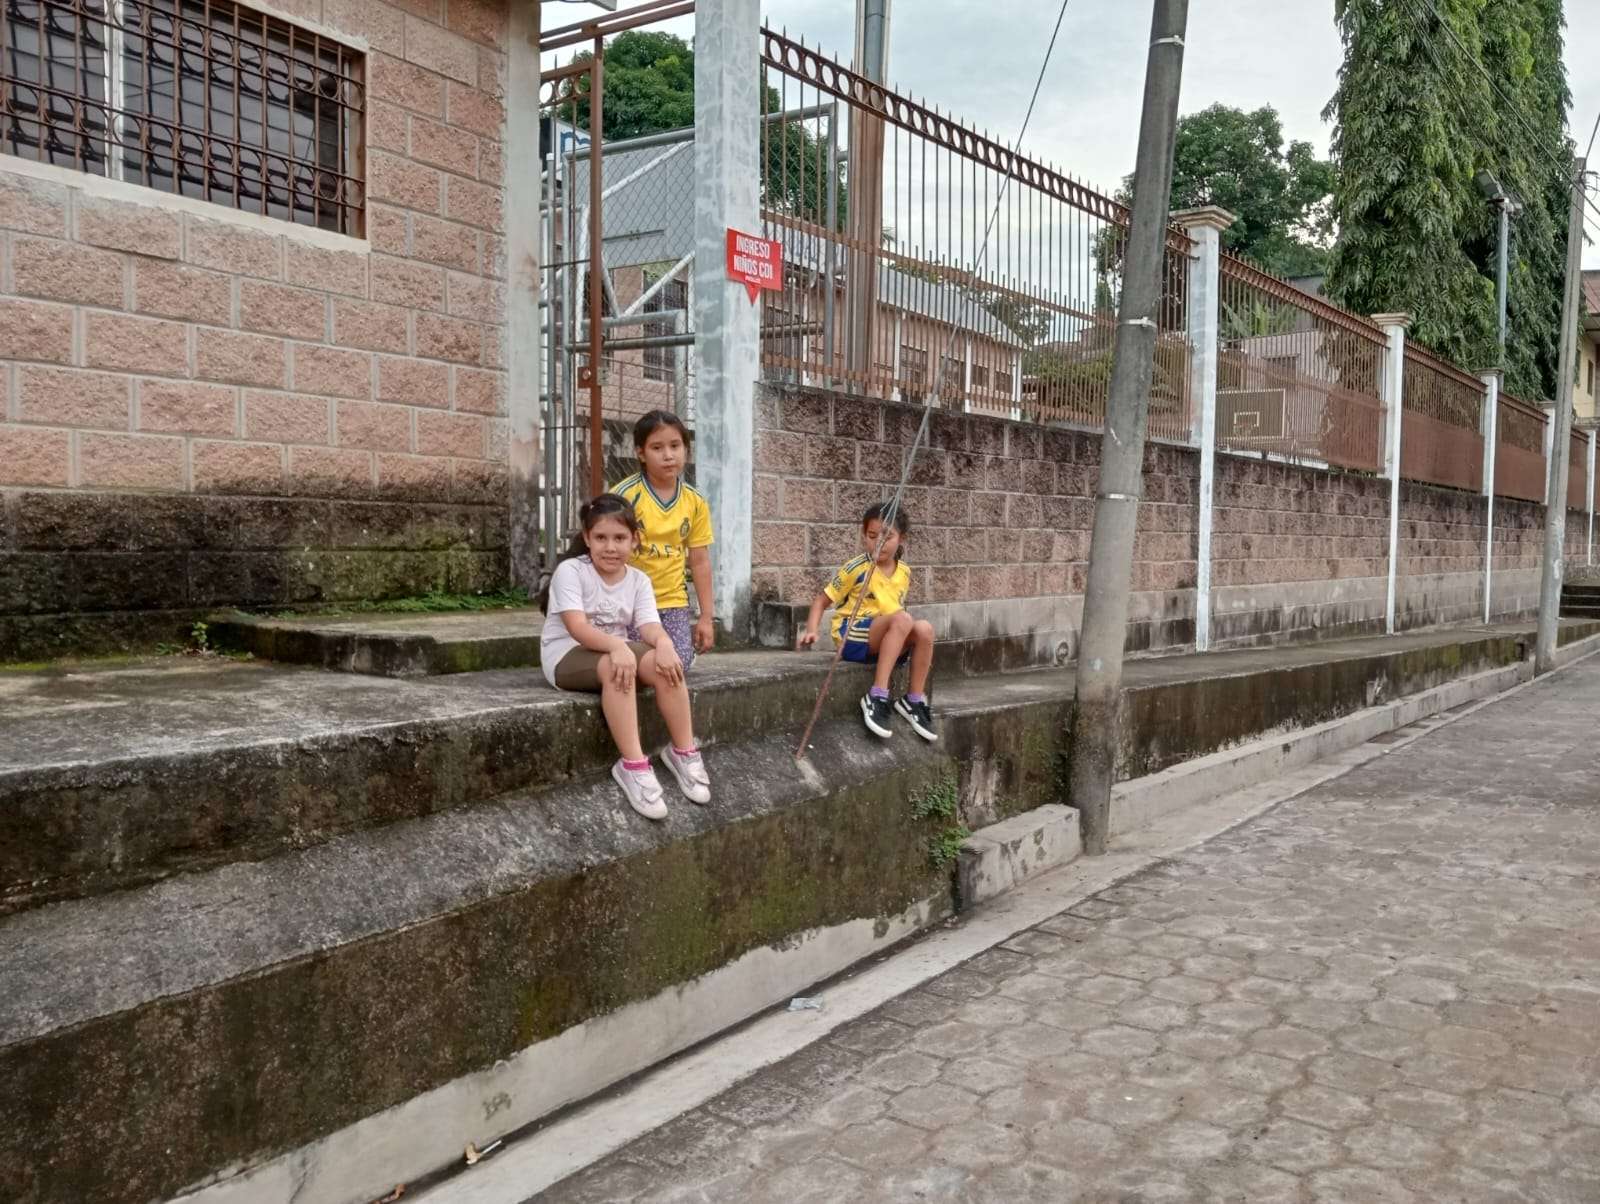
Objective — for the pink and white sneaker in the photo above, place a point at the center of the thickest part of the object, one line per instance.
(643, 790)
(691, 774)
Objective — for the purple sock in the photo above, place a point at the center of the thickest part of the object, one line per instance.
(878, 692)
(914, 698)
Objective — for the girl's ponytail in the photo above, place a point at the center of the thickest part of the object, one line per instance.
(606, 505)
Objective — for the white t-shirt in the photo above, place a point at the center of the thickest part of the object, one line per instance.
(610, 609)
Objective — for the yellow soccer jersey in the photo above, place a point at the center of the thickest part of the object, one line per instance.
(887, 595)
(671, 527)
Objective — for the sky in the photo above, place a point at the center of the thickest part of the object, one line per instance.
(978, 59)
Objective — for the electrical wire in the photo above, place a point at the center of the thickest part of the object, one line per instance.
(927, 409)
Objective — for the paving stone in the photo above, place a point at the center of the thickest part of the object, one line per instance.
(900, 1070)
(1286, 1041)
(1357, 1183)
(879, 1143)
(819, 1181)
(1391, 1146)
(933, 1107)
(1292, 1146)
(1324, 1107)
(1382, 990)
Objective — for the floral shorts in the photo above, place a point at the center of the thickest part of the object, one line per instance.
(678, 623)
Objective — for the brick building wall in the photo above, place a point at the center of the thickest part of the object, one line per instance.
(270, 412)
(1003, 513)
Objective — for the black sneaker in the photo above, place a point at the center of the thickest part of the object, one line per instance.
(920, 716)
(875, 714)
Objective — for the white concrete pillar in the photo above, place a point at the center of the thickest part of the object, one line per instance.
(1491, 434)
(1394, 392)
(1588, 497)
(525, 368)
(1016, 387)
(966, 378)
(727, 328)
(1205, 227)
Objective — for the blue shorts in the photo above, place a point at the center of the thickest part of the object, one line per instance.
(859, 652)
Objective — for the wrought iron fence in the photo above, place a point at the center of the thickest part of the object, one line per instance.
(1296, 376)
(1441, 440)
(1519, 460)
(918, 250)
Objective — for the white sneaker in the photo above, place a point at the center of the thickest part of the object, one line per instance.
(642, 789)
(691, 774)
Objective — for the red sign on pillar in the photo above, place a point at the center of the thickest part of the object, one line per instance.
(756, 263)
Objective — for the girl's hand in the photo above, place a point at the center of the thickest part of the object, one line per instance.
(668, 663)
(624, 668)
(806, 638)
(705, 633)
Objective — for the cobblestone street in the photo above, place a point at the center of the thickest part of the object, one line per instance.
(1387, 989)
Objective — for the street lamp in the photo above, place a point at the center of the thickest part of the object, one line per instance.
(1508, 206)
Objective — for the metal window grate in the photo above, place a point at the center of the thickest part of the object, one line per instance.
(200, 98)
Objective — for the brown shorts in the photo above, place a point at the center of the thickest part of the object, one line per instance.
(579, 669)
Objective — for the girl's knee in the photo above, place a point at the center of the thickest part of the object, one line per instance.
(902, 620)
(923, 630)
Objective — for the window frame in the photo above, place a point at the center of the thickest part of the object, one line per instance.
(145, 89)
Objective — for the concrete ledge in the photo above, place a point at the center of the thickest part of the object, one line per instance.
(386, 645)
(1002, 856)
(215, 1021)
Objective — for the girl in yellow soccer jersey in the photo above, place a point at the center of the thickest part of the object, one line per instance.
(883, 633)
(675, 522)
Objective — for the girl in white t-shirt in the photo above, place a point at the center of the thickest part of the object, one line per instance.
(593, 598)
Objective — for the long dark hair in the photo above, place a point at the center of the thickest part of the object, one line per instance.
(890, 515)
(653, 422)
(607, 505)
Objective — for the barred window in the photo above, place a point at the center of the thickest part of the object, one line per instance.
(202, 98)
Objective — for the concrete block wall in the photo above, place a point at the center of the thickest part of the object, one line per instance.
(344, 395)
(1003, 512)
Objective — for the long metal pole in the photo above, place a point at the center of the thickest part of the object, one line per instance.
(1555, 500)
(1116, 512)
(1500, 276)
(597, 466)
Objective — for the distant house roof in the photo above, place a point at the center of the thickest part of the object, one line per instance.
(1309, 284)
(1591, 297)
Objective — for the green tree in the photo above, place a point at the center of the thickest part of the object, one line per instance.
(649, 88)
(1280, 196)
(1415, 121)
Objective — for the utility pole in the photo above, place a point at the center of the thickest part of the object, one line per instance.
(1555, 498)
(1097, 715)
(865, 217)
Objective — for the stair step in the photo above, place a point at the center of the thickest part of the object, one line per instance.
(425, 645)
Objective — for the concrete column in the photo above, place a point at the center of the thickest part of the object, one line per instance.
(1016, 387)
(523, 330)
(966, 378)
(1588, 427)
(727, 179)
(1205, 227)
(1394, 392)
(1491, 433)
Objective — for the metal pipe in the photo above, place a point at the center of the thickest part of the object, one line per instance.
(644, 298)
(1504, 223)
(646, 341)
(686, 134)
(597, 468)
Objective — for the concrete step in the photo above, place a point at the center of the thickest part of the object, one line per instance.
(426, 645)
(217, 1019)
(350, 1014)
(1580, 610)
(114, 777)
